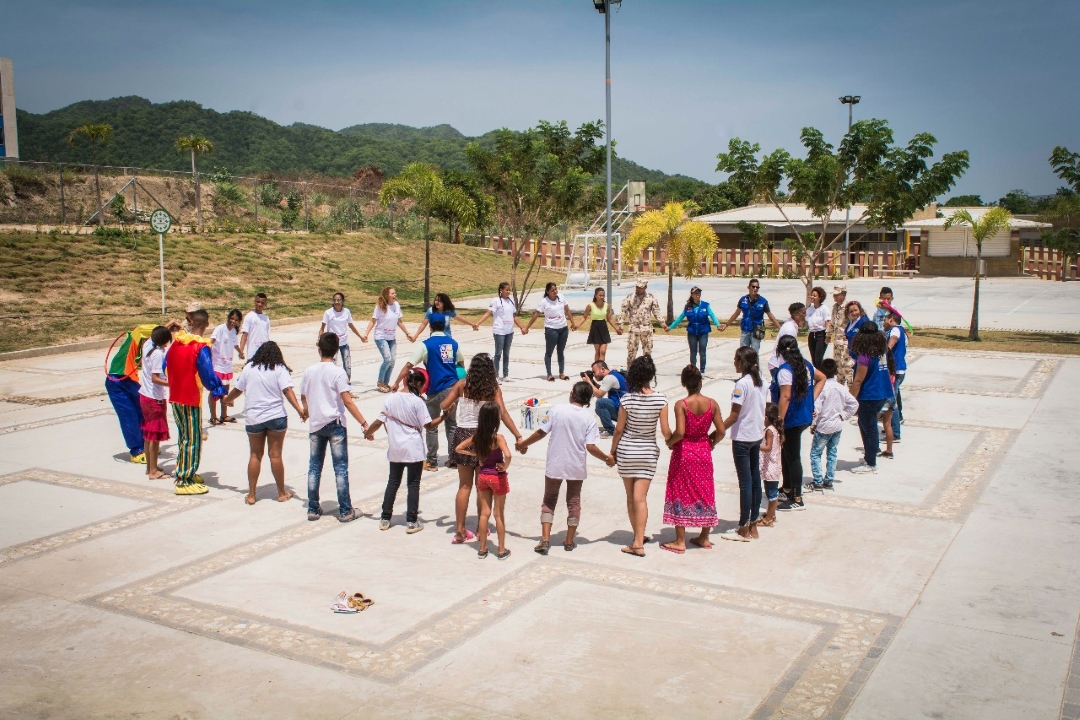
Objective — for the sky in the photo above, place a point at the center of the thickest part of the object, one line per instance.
(994, 77)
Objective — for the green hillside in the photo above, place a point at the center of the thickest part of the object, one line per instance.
(244, 142)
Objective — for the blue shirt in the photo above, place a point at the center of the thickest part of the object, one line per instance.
(850, 332)
(877, 385)
(444, 316)
(697, 318)
(753, 312)
(441, 362)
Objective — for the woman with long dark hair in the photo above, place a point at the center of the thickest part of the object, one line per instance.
(267, 381)
(872, 387)
(481, 385)
(503, 313)
(557, 323)
(794, 390)
(747, 424)
(598, 310)
(633, 446)
(443, 305)
(699, 321)
(817, 325)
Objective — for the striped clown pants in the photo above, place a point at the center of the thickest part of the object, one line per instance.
(189, 442)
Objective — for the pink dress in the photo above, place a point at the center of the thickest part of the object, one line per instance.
(690, 499)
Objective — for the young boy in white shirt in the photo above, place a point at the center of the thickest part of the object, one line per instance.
(833, 406)
(573, 433)
(325, 396)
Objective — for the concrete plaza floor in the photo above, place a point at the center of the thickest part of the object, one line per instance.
(944, 586)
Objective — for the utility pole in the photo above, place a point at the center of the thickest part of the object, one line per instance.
(255, 195)
(605, 8)
(63, 209)
(851, 101)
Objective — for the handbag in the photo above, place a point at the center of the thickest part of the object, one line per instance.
(759, 332)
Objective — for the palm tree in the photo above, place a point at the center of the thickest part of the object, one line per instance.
(196, 145)
(990, 223)
(687, 242)
(95, 133)
(421, 183)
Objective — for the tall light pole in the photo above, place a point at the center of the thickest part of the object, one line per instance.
(851, 101)
(604, 8)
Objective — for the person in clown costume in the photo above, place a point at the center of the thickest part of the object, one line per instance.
(122, 386)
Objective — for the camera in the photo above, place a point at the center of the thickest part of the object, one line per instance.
(587, 374)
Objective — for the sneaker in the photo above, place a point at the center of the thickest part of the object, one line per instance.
(414, 527)
(886, 455)
(782, 496)
(895, 440)
(828, 485)
(734, 536)
(797, 504)
(864, 469)
(348, 518)
(139, 459)
(384, 524)
(604, 434)
(314, 514)
(432, 466)
(506, 378)
(192, 489)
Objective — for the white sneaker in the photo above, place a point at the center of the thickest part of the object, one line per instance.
(384, 524)
(863, 469)
(604, 434)
(734, 535)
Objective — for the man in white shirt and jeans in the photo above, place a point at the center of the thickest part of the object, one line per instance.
(324, 393)
(833, 406)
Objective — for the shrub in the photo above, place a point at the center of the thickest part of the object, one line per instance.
(25, 182)
(270, 194)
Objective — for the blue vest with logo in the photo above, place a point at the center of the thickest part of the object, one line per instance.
(851, 332)
(800, 411)
(616, 395)
(877, 385)
(899, 351)
(753, 312)
(441, 362)
(697, 319)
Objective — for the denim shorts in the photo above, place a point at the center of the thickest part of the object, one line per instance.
(276, 425)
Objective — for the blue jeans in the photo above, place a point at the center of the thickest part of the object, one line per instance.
(868, 412)
(746, 456)
(346, 359)
(747, 339)
(698, 344)
(898, 413)
(388, 349)
(828, 442)
(555, 339)
(607, 412)
(502, 352)
(338, 439)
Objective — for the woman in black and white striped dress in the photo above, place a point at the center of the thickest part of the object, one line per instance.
(634, 444)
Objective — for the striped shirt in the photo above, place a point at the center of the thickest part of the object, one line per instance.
(638, 452)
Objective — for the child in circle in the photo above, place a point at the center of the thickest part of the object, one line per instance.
(492, 485)
(771, 468)
(153, 389)
(226, 336)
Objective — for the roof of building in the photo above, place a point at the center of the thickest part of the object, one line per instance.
(976, 213)
(768, 214)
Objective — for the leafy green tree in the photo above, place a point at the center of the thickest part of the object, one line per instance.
(756, 235)
(421, 183)
(989, 224)
(1018, 202)
(484, 204)
(196, 145)
(1067, 242)
(538, 178)
(290, 216)
(721, 197)
(964, 201)
(97, 134)
(686, 241)
(270, 194)
(893, 181)
(1066, 166)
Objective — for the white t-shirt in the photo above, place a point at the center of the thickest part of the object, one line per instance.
(554, 312)
(322, 385)
(152, 361)
(257, 328)
(569, 428)
(609, 383)
(816, 317)
(405, 431)
(790, 327)
(224, 346)
(502, 316)
(338, 323)
(386, 322)
(263, 390)
(750, 425)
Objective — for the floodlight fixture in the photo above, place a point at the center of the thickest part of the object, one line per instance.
(601, 5)
(851, 99)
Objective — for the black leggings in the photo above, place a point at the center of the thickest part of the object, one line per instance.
(816, 344)
(397, 469)
(791, 460)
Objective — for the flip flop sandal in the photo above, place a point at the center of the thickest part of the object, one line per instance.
(503, 555)
(677, 551)
(542, 547)
(481, 554)
(551, 378)
(228, 420)
(636, 552)
(563, 377)
(360, 602)
(468, 537)
(699, 544)
(341, 605)
(568, 547)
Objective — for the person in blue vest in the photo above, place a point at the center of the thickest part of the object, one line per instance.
(699, 321)
(897, 341)
(608, 388)
(796, 387)
(753, 308)
(441, 357)
(872, 387)
(854, 316)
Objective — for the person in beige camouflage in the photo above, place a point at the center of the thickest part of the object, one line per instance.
(845, 365)
(638, 312)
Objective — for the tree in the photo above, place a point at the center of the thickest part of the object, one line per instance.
(538, 179)
(687, 243)
(755, 235)
(96, 133)
(1067, 242)
(1018, 202)
(196, 145)
(991, 222)
(483, 204)
(964, 201)
(1066, 166)
(892, 181)
(421, 183)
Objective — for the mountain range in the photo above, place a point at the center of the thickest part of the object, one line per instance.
(144, 134)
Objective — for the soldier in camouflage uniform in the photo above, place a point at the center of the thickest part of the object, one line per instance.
(845, 365)
(638, 312)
